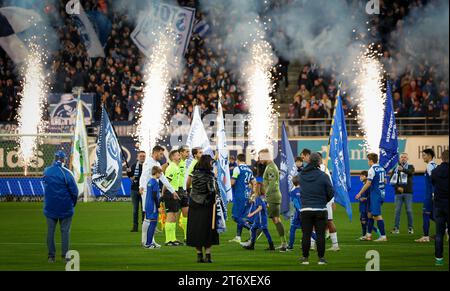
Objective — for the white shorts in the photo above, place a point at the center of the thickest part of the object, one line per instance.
(330, 210)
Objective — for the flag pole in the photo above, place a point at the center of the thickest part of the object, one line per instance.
(327, 155)
(213, 223)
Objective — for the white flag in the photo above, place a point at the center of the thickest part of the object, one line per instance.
(80, 154)
(197, 138)
(88, 35)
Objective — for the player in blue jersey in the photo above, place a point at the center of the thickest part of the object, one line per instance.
(428, 157)
(260, 218)
(151, 210)
(294, 195)
(242, 181)
(364, 202)
(376, 182)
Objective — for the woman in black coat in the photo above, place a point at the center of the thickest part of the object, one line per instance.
(200, 232)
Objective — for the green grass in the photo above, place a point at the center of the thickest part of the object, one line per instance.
(100, 233)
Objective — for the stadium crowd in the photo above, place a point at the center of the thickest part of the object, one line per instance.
(117, 79)
(419, 91)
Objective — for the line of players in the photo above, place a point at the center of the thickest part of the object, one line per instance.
(174, 195)
(250, 209)
(371, 198)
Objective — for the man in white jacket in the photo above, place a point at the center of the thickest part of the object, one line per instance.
(150, 162)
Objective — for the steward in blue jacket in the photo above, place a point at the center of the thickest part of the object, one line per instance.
(60, 191)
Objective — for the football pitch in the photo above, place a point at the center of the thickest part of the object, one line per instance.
(101, 234)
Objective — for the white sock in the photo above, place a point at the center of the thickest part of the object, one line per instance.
(334, 239)
(145, 226)
(238, 237)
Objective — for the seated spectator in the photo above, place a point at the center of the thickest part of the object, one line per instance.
(303, 93)
(399, 108)
(326, 104)
(318, 89)
(416, 109)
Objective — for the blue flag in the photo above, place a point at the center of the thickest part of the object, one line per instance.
(107, 172)
(340, 162)
(389, 138)
(288, 169)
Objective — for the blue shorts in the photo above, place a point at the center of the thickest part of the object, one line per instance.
(151, 215)
(295, 220)
(239, 209)
(375, 206)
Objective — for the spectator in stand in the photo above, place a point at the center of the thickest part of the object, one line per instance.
(318, 89)
(302, 93)
(326, 104)
(399, 108)
(318, 112)
(416, 110)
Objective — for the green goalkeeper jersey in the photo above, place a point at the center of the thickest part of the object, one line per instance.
(272, 183)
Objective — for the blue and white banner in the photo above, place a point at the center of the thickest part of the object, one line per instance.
(88, 34)
(288, 170)
(223, 167)
(13, 21)
(389, 136)
(221, 215)
(201, 28)
(164, 16)
(340, 162)
(63, 111)
(107, 172)
(197, 138)
(101, 24)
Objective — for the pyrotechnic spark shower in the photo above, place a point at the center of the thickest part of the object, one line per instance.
(31, 109)
(368, 83)
(259, 86)
(153, 111)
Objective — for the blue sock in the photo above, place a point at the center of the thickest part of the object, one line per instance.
(253, 235)
(151, 231)
(374, 229)
(267, 234)
(364, 228)
(380, 224)
(313, 235)
(370, 223)
(292, 236)
(239, 230)
(426, 224)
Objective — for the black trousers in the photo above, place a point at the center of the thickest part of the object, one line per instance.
(314, 220)
(441, 219)
(136, 199)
